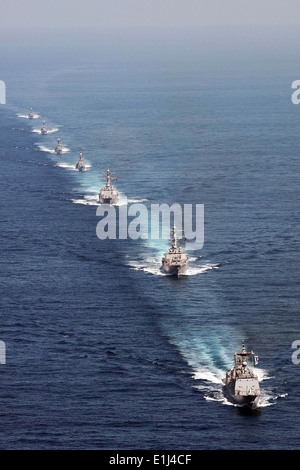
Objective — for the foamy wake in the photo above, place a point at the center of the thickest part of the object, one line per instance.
(131, 201)
(153, 266)
(25, 116)
(124, 201)
(42, 148)
(49, 131)
(212, 387)
(266, 399)
(87, 200)
(94, 199)
(67, 166)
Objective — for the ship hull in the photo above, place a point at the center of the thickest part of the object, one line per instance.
(79, 167)
(175, 270)
(240, 383)
(108, 200)
(251, 401)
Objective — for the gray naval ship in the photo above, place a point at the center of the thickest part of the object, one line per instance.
(241, 383)
(80, 166)
(108, 194)
(175, 261)
(31, 114)
(58, 149)
(44, 128)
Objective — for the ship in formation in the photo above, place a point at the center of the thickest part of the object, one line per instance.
(58, 149)
(175, 261)
(240, 382)
(108, 194)
(80, 165)
(44, 129)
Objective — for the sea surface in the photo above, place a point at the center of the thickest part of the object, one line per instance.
(102, 350)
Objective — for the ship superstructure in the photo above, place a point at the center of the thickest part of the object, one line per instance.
(175, 261)
(80, 165)
(241, 383)
(108, 194)
(44, 129)
(58, 149)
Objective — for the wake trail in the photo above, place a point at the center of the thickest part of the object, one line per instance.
(49, 131)
(42, 148)
(152, 265)
(25, 116)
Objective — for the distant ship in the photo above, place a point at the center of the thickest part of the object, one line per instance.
(108, 194)
(175, 261)
(80, 166)
(31, 114)
(58, 149)
(241, 383)
(44, 128)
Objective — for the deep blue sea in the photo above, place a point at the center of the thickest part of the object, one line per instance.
(102, 350)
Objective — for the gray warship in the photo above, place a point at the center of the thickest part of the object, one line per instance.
(44, 128)
(108, 194)
(80, 166)
(175, 261)
(241, 383)
(58, 149)
(31, 114)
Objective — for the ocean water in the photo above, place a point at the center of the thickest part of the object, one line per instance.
(102, 350)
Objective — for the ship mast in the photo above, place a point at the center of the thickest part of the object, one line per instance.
(174, 238)
(240, 357)
(108, 178)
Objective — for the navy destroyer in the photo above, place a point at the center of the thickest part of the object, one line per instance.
(108, 194)
(240, 382)
(175, 261)
(58, 149)
(80, 166)
(31, 114)
(44, 128)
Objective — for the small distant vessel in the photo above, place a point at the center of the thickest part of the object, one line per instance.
(175, 261)
(58, 149)
(240, 382)
(80, 166)
(31, 114)
(108, 194)
(44, 129)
